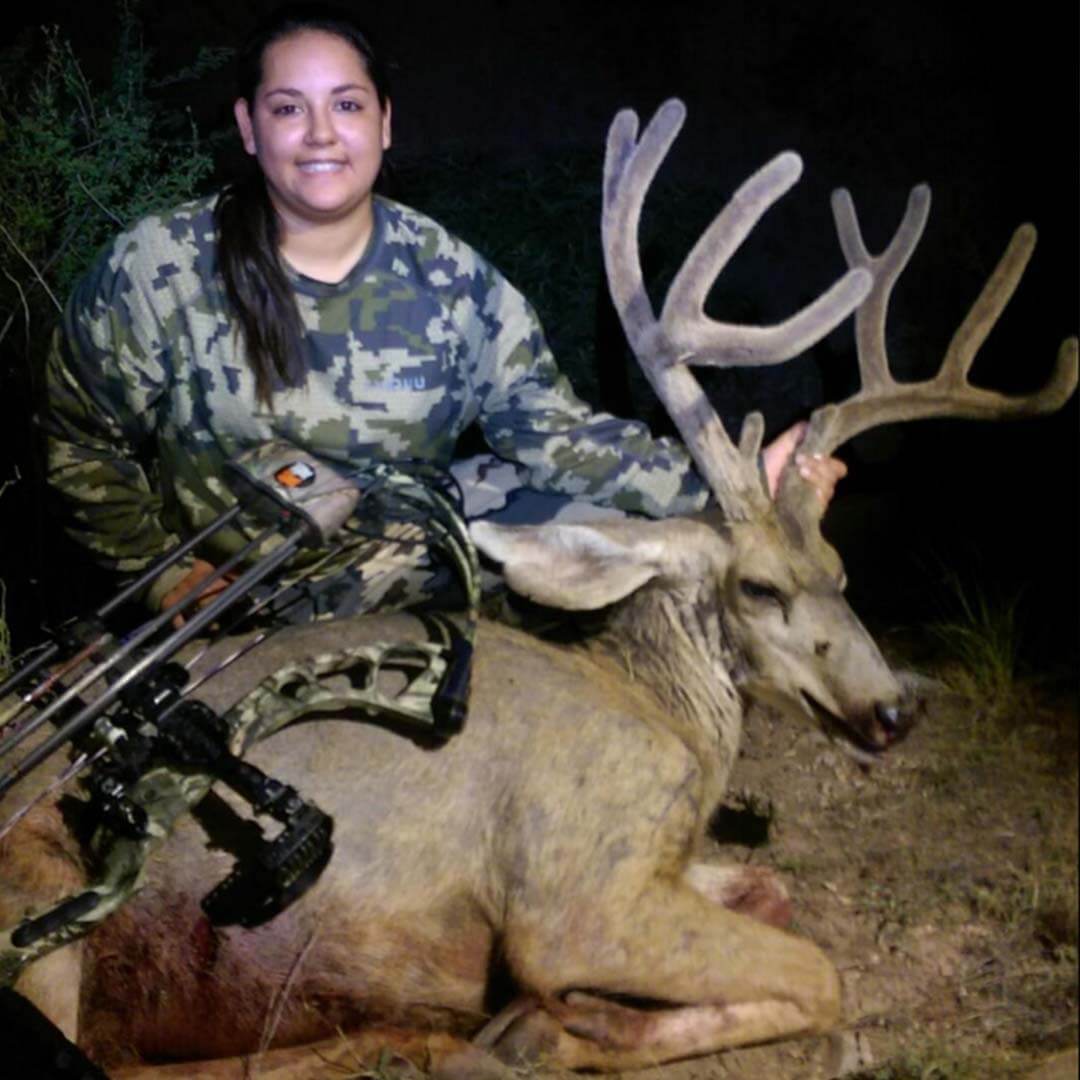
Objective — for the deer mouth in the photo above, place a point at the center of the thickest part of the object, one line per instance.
(867, 740)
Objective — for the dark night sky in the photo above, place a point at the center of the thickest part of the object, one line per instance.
(981, 103)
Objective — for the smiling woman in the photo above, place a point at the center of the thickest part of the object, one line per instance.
(313, 109)
(318, 126)
(299, 306)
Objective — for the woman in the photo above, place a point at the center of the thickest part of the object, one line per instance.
(301, 306)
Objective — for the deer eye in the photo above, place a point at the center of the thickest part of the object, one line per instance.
(758, 590)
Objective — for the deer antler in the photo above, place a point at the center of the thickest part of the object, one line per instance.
(684, 334)
(881, 399)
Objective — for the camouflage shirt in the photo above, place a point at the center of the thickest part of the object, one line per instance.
(150, 393)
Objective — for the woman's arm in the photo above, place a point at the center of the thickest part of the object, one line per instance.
(530, 414)
(101, 390)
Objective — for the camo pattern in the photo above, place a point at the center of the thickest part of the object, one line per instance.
(347, 680)
(344, 681)
(165, 792)
(407, 545)
(149, 392)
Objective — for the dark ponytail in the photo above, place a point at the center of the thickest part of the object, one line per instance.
(256, 285)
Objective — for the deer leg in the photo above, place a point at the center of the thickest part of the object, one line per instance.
(750, 890)
(52, 984)
(588, 1032)
(719, 979)
(442, 1056)
(524, 1030)
(40, 866)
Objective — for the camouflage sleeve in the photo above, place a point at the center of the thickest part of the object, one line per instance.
(531, 415)
(104, 373)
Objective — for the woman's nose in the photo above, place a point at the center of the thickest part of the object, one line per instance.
(320, 128)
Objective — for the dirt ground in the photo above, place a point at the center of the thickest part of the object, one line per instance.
(942, 882)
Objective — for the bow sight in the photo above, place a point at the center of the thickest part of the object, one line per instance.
(149, 752)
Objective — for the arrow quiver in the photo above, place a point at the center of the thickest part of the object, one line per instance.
(148, 752)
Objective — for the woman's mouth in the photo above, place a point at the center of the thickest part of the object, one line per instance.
(320, 166)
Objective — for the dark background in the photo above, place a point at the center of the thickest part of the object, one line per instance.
(980, 103)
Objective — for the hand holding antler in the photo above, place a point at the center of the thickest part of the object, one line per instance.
(820, 472)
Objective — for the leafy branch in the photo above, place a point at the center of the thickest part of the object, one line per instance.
(77, 162)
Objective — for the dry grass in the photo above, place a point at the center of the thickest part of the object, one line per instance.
(981, 643)
(940, 1061)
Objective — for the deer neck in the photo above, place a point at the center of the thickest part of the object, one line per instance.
(673, 641)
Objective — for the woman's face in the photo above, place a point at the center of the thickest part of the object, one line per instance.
(316, 128)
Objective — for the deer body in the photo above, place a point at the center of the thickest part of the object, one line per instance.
(443, 857)
(555, 838)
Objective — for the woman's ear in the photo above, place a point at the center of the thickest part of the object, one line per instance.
(246, 127)
(386, 126)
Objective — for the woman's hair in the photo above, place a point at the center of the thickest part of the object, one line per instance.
(247, 225)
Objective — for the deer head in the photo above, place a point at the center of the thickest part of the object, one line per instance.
(786, 635)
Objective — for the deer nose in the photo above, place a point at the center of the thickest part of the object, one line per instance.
(888, 716)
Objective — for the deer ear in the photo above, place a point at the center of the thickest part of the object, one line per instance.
(581, 567)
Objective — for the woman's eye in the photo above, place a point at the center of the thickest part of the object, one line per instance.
(349, 106)
(285, 110)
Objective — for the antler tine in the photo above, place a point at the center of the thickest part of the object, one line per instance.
(885, 268)
(980, 320)
(724, 236)
(881, 399)
(629, 169)
(719, 344)
(984, 313)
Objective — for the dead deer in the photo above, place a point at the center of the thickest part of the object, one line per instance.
(554, 844)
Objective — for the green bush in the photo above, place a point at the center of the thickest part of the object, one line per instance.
(77, 163)
(80, 158)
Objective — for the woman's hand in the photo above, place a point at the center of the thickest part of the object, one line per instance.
(821, 473)
(191, 583)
